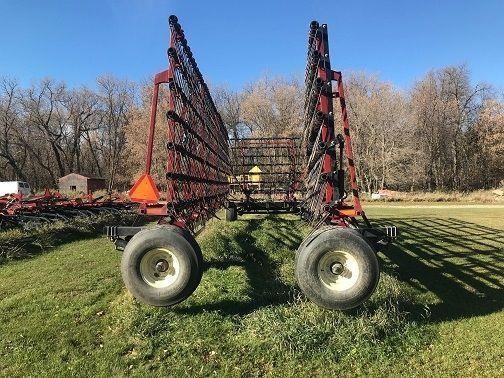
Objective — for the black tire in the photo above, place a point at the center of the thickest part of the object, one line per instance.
(186, 234)
(310, 238)
(231, 213)
(182, 259)
(336, 268)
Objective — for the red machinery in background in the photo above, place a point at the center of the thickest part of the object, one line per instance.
(18, 211)
(336, 265)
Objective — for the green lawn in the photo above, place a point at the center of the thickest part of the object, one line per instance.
(438, 309)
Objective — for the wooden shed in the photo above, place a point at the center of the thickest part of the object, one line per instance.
(80, 183)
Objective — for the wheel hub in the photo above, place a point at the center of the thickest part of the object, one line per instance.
(159, 267)
(337, 268)
(162, 265)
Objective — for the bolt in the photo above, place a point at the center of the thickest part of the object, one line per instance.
(162, 266)
(337, 268)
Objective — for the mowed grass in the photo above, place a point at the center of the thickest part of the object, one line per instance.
(438, 309)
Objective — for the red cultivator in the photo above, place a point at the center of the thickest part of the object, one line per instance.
(16, 211)
(336, 265)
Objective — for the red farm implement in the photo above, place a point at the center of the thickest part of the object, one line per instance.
(17, 211)
(336, 265)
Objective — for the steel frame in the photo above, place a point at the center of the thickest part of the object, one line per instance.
(205, 169)
(324, 150)
(197, 166)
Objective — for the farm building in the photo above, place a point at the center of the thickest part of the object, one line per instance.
(80, 183)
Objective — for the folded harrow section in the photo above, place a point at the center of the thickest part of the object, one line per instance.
(163, 265)
(197, 166)
(324, 150)
(265, 174)
(336, 264)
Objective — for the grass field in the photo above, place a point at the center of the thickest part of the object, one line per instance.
(439, 308)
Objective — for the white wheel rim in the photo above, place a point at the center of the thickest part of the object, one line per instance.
(159, 268)
(338, 270)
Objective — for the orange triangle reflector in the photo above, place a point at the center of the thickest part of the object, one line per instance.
(144, 190)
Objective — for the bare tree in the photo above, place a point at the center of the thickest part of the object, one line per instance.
(81, 108)
(446, 133)
(116, 102)
(445, 106)
(10, 120)
(273, 107)
(378, 117)
(229, 105)
(137, 133)
(42, 106)
(489, 169)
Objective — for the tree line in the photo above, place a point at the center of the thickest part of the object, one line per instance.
(48, 130)
(445, 133)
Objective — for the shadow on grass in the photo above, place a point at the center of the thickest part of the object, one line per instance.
(462, 263)
(266, 287)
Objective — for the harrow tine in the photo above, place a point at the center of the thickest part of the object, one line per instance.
(324, 175)
(197, 166)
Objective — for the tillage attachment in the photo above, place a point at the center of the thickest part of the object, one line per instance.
(336, 265)
(265, 176)
(163, 265)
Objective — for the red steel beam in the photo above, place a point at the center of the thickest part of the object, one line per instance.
(323, 177)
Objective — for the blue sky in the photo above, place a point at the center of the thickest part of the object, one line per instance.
(235, 42)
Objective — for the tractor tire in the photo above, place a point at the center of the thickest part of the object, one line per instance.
(231, 213)
(162, 266)
(336, 268)
(186, 234)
